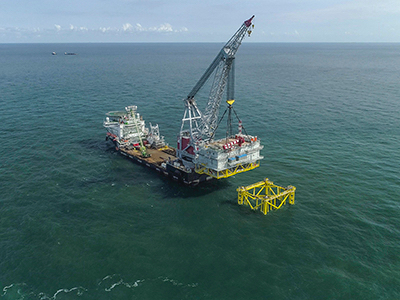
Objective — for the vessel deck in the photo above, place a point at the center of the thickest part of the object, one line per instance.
(157, 157)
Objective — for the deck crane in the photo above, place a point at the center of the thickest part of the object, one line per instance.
(199, 156)
(196, 145)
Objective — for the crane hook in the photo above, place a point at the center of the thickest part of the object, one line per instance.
(250, 31)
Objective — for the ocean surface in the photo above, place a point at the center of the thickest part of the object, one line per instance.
(79, 221)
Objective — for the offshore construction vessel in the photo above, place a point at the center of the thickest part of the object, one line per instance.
(199, 155)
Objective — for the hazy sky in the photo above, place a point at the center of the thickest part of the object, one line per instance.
(198, 20)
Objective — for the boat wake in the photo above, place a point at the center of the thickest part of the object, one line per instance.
(75, 290)
(111, 281)
(106, 285)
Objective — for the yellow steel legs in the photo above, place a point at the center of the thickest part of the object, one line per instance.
(265, 195)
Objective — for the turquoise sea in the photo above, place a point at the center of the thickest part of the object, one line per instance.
(79, 221)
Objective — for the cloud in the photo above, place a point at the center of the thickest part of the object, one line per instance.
(22, 34)
(104, 29)
(139, 27)
(73, 32)
(294, 33)
(127, 27)
(76, 28)
(164, 28)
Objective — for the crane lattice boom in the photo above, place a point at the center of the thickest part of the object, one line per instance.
(201, 126)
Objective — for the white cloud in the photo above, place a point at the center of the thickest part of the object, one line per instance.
(292, 33)
(139, 27)
(127, 27)
(82, 33)
(104, 29)
(76, 28)
(164, 28)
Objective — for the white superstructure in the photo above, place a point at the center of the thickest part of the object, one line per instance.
(228, 153)
(128, 128)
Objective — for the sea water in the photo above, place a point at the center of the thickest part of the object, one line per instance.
(79, 221)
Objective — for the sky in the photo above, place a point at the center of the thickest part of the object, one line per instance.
(66, 21)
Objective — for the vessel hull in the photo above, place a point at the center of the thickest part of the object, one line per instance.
(162, 161)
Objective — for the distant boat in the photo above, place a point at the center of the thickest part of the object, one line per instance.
(53, 53)
(69, 53)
